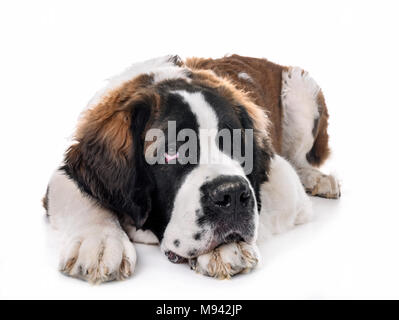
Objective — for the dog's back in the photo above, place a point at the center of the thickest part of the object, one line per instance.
(264, 83)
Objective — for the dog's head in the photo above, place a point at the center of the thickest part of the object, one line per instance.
(181, 151)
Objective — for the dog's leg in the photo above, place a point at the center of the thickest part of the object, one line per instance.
(284, 201)
(305, 138)
(95, 248)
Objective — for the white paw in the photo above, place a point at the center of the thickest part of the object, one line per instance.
(319, 184)
(227, 260)
(98, 256)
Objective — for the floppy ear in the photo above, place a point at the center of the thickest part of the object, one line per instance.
(107, 161)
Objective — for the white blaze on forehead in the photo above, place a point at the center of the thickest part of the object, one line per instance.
(212, 163)
(161, 68)
(208, 127)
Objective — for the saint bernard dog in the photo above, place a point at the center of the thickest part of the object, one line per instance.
(148, 165)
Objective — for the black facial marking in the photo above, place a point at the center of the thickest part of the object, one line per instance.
(176, 243)
(169, 177)
(261, 157)
(197, 236)
(236, 117)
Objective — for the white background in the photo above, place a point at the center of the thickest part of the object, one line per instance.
(53, 57)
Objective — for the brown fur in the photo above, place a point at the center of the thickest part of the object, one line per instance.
(108, 123)
(102, 159)
(265, 91)
(238, 98)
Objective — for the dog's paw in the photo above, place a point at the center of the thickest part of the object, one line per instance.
(98, 256)
(325, 186)
(319, 184)
(227, 260)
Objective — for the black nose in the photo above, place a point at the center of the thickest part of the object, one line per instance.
(229, 193)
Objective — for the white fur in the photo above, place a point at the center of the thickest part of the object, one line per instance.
(212, 163)
(300, 109)
(161, 68)
(94, 247)
(141, 236)
(284, 201)
(299, 93)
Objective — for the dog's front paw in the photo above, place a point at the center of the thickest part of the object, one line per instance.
(98, 256)
(227, 260)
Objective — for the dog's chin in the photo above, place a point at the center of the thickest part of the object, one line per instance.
(215, 243)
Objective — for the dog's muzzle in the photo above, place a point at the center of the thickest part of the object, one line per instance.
(228, 197)
(227, 211)
(228, 205)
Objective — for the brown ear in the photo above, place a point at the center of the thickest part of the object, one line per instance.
(107, 160)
